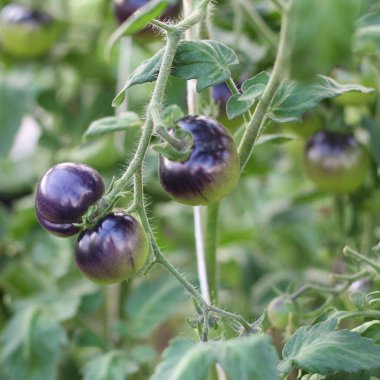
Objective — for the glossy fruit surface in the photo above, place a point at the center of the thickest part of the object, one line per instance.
(280, 309)
(336, 162)
(125, 8)
(57, 229)
(114, 250)
(212, 169)
(26, 33)
(66, 191)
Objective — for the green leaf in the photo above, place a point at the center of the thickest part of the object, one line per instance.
(31, 345)
(320, 35)
(367, 34)
(137, 21)
(373, 128)
(322, 349)
(206, 60)
(278, 138)
(113, 365)
(146, 72)
(235, 107)
(185, 360)
(14, 100)
(112, 124)
(151, 303)
(245, 358)
(252, 90)
(248, 358)
(294, 98)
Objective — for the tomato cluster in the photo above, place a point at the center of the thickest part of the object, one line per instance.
(115, 248)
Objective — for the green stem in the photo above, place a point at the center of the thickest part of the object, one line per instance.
(347, 251)
(257, 123)
(211, 245)
(258, 24)
(161, 259)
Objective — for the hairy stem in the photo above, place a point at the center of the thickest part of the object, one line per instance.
(257, 123)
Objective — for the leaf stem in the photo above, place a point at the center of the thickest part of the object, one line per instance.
(257, 122)
(258, 24)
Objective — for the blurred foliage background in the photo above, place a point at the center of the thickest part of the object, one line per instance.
(277, 231)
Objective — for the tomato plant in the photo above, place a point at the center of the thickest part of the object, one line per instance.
(201, 249)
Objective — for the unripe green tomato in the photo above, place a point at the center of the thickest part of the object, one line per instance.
(26, 33)
(336, 162)
(279, 312)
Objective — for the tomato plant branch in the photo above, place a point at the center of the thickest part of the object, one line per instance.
(347, 251)
(258, 24)
(257, 122)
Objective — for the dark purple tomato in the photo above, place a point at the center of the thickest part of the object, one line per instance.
(279, 312)
(114, 250)
(221, 93)
(25, 32)
(57, 229)
(66, 191)
(212, 169)
(125, 8)
(336, 162)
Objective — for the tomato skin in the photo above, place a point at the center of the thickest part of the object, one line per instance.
(26, 33)
(336, 162)
(65, 192)
(114, 250)
(57, 229)
(212, 169)
(280, 309)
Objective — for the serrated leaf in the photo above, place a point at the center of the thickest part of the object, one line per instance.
(151, 303)
(112, 124)
(206, 61)
(248, 358)
(137, 21)
(252, 90)
(317, 42)
(31, 345)
(367, 34)
(185, 360)
(113, 365)
(322, 349)
(294, 98)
